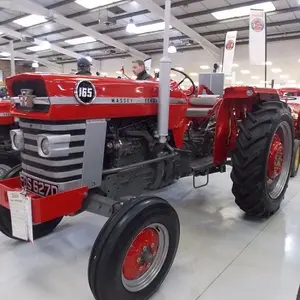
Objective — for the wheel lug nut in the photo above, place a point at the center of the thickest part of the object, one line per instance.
(138, 260)
(145, 248)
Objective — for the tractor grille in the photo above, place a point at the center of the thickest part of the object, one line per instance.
(54, 169)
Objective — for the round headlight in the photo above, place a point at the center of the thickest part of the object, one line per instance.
(18, 141)
(45, 146)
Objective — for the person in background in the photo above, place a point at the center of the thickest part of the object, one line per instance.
(139, 70)
(83, 67)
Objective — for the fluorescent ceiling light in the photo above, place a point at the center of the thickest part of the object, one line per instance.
(151, 28)
(30, 20)
(276, 70)
(228, 77)
(243, 11)
(255, 77)
(45, 45)
(245, 71)
(89, 4)
(5, 54)
(291, 81)
(180, 69)
(193, 74)
(284, 76)
(204, 67)
(269, 63)
(80, 40)
(235, 65)
(119, 72)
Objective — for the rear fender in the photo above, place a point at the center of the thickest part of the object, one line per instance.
(236, 102)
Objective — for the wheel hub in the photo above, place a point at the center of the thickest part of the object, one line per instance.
(276, 156)
(141, 254)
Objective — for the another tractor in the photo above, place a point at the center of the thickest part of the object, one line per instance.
(8, 157)
(103, 144)
(292, 97)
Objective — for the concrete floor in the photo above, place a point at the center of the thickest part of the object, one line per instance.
(222, 254)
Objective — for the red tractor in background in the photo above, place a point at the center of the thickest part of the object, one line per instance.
(292, 97)
(103, 145)
(8, 157)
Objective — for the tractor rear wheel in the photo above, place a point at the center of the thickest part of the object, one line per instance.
(134, 251)
(296, 158)
(7, 162)
(39, 230)
(262, 159)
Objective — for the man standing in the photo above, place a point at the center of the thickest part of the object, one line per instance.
(139, 70)
(83, 67)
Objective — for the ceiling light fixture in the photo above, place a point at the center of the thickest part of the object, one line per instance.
(172, 49)
(235, 65)
(89, 4)
(30, 20)
(193, 74)
(243, 11)
(35, 64)
(5, 54)
(245, 71)
(276, 70)
(284, 76)
(131, 27)
(180, 69)
(80, 40)
(204, 67)
(45, 45)
(151, 28)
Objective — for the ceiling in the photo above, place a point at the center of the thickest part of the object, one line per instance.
(283, 24)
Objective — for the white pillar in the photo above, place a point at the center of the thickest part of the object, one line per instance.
(12, 59)
(164, 81)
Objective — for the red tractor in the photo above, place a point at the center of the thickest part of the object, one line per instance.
(8, 157)
(292, 97)
(104, 145)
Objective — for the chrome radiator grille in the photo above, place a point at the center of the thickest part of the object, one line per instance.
(59, 170)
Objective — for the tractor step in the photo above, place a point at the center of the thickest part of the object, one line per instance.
(204, 167)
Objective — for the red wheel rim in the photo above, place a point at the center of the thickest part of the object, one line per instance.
(141, 254)
(145, 257)
(276, 155)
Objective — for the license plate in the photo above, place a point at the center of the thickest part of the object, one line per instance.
(38, 187)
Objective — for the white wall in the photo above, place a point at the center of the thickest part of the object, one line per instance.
(284, 55)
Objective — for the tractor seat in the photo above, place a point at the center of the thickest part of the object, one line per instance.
(197, 112)
(207, 100)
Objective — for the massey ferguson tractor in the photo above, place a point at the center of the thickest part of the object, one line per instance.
(292, 97)
(8, 157)
(106, 145)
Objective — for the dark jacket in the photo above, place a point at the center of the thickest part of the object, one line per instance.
(84, 73)
(143, 76)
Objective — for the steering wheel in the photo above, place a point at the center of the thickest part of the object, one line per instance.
(186, 76)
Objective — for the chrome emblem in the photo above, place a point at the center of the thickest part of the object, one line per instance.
(26, 98)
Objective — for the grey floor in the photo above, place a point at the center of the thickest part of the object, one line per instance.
(222, 254)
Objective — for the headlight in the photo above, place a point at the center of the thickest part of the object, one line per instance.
(17, 139)
(50, 145)
(45, 146)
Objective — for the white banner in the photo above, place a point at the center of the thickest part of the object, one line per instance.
(257, 37)
(229, 50)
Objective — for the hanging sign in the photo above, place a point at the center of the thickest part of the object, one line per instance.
(257, 37)
(229, 51)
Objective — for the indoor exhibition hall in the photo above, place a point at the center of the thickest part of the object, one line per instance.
(149, 150)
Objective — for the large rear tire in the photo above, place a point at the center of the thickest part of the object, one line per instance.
(7, 162)
(134, 251)
(39, 230)
(262, 159)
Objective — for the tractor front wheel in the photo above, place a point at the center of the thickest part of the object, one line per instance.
(262, 160)
(296, 159)
(134, 250)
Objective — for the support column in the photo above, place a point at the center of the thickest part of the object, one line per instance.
(12, 59)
